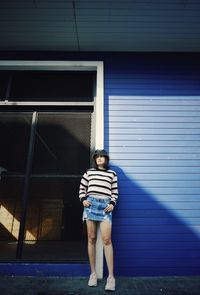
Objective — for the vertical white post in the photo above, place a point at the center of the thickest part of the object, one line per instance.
(99, 144)
(99, 109)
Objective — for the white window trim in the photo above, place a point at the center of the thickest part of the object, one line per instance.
(98, 142)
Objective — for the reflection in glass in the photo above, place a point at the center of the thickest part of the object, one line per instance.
(54, 229)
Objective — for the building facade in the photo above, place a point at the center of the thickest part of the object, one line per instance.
(144, 108)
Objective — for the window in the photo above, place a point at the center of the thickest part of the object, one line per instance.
(76, 86)
(68, 105)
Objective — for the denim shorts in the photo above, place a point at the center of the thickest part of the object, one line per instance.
(96, 210)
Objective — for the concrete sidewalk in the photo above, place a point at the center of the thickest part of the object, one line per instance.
(78, 286)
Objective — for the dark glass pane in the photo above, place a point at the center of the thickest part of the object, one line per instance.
(52, 86)
(11, 190)
(4, 80)
(54, 229)
(14, 134)
(62, 143)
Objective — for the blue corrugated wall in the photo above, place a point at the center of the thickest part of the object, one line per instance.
(152, 120)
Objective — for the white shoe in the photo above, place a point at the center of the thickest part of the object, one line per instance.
(110, 284)
(92, 280)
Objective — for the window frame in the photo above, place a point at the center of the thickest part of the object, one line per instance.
(97, 132)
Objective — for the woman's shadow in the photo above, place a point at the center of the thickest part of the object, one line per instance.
(149, 238)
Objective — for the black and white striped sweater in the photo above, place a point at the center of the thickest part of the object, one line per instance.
(98, 182)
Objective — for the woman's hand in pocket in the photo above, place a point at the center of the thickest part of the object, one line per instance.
(109, 208)
(86, 203)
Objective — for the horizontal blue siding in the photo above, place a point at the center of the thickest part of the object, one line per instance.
(152, 120)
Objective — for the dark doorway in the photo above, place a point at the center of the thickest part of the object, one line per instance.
(53, 226)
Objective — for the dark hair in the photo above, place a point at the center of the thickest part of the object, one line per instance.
(102, 153)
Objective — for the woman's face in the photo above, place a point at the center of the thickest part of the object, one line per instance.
(100, 161)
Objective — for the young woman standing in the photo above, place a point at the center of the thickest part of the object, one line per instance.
(99, 194)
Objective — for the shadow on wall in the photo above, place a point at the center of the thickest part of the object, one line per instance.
(150, 238)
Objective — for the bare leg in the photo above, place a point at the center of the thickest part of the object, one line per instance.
(92, 236)
(106, 228)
